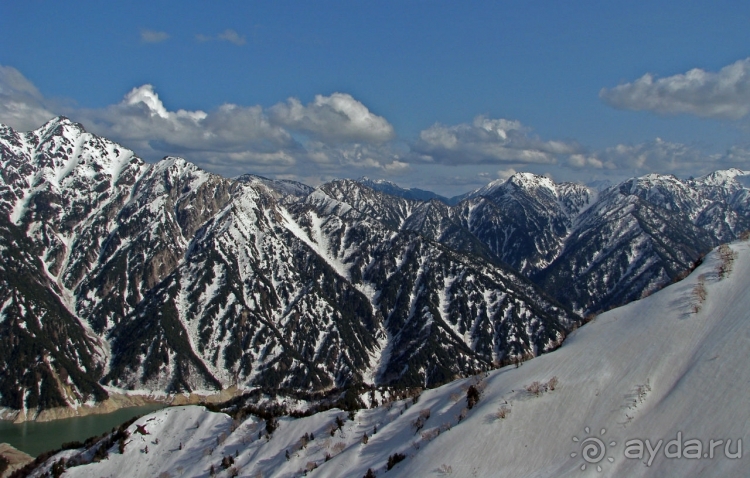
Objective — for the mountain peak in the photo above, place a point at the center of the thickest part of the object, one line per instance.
(721, 177)
(531, 180)
(60, 121)
(525, 181)
(59, 126)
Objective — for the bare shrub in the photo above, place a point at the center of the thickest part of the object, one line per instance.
(502, 412)
(699, 294)
(536, 388)
(745, 235)
(727, 256)
(430, 434)
(338, 447)
(462, 414)
(445, 469)
(311, 465)
(552, 384)
(455, 397)
(642, 390)
(418, 424)
(421, 419)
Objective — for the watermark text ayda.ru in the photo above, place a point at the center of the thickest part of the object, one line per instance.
(594, 449)
(692, 448)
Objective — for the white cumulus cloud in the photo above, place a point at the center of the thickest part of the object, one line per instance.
(724, 94)
(344, 137)
(337, 118)
(231, 132)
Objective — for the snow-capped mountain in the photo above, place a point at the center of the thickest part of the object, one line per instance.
(655, 388)
(174, 279)
(164, 277)
(593, 250)
(642, 234)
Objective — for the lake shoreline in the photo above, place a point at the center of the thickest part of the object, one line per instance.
(119, 401)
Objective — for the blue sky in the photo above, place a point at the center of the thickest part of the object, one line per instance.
(439, 95)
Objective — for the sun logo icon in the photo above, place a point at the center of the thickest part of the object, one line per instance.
(593, 449)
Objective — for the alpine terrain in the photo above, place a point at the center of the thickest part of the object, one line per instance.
(120, 276)
(653, 388)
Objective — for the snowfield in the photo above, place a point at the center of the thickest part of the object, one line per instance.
(670, 367)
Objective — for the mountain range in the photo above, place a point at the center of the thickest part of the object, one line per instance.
(120, 275)
(653, 388)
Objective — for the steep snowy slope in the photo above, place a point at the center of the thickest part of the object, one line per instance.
(316, 294)
(643, 233)
(443, 311)
(47, 358)
(593, 250)
(655, 388)
(525, 219)
(624, 246)
(172, 279)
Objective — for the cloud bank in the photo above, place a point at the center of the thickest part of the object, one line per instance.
(333, 133)
(723, 95)
(338, 136)
(488, 141)
(650, 156)
(21, 104)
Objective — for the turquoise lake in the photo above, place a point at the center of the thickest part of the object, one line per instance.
(35, 438)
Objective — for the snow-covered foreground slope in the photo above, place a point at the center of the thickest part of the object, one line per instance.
(669, 367)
